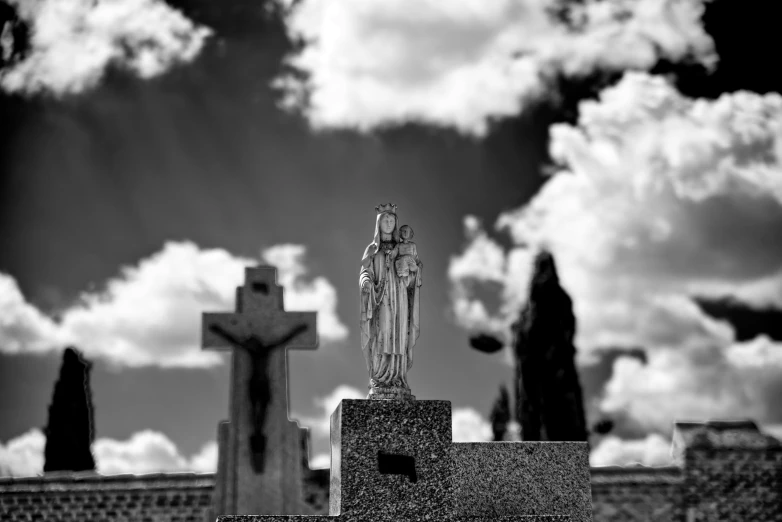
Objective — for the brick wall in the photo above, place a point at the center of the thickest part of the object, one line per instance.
(119, 498)
(733, 472)
(638, 493)
(726, 472)
(733, 485)
(161, 497)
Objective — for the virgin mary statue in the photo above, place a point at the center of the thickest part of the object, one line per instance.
(389, 310)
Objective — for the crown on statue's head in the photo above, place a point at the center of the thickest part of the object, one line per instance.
(389, 207)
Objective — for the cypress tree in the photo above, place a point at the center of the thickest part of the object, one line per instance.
(549, 399)
(70, 430)
(500, 415)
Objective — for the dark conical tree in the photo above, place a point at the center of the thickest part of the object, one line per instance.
(14, 35)
(70, 432)
(602, 427)
(549, 400)
(500, 415)
(486, 343)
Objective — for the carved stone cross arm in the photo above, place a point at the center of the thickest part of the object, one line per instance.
(291, 329)
(253, 341)
(226, 335)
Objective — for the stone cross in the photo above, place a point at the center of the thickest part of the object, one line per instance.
(259, 456)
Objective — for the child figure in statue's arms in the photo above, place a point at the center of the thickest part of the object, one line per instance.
(407, 255)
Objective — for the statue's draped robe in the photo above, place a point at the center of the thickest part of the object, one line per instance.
(389, 318)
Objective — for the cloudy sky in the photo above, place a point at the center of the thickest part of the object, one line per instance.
(151, 150)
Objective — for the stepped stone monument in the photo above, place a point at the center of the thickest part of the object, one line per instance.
(392, 456)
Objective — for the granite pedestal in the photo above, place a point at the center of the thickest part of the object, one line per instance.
(394, 461)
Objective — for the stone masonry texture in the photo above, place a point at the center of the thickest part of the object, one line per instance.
(396, 461)
(120, 498)
(717, 480)
(521, 478)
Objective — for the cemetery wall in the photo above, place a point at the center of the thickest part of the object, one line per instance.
(80, 497)
(159, 497)
(734, 484)
(629, 494)
(726, 471)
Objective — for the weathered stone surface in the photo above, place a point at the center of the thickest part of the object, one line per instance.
(522, 478)
(732, 471)
(294, 518)
(370, 431)
(743, 482)
(87, 496)
(395, 461)
(242, 486)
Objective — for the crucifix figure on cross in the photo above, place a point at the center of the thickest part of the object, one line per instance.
(259, 441)
(259, 390)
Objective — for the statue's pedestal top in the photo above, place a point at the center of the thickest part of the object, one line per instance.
(399, 393)
(391, 460)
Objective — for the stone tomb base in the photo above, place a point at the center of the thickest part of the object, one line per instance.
(394, 461)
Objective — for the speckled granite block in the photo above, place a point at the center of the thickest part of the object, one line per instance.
(277, 518)
(346, 518)
(512, 479)
(394, 461)
(397, 430)
(517, 518)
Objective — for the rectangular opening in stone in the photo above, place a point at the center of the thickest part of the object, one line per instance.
(260, 288)
(396, 464)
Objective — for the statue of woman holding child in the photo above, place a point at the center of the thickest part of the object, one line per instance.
(390, 282)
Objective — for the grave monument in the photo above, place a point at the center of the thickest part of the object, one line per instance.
(392, 456)
(259, 467)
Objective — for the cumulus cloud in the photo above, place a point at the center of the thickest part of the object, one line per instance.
(321, 461)
(468, 425)
(149, 452)
(151, 313)
(653, 450)
(485, 263)
(302, 294)
(73, 42)
(685, 385)
(775, 430)
(144, 452)
(320, 424)
(23, 456)
(205, 461)
(462, 63)
(22, 326)
(764, 292)
(657, 198)
(513, 431)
